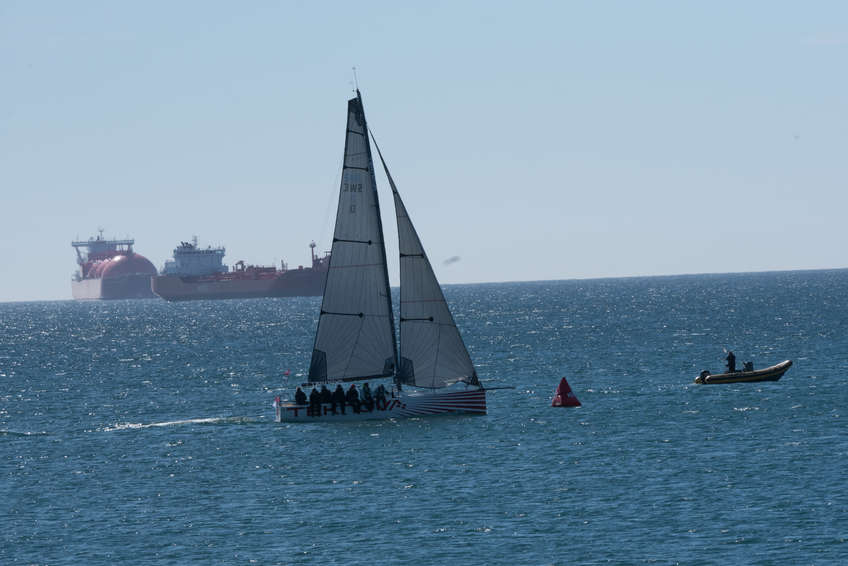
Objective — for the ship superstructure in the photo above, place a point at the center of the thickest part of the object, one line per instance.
(110, 269)
(200, 273)
(191, 260)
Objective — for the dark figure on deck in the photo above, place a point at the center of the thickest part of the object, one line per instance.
(352, 398)
(299, 396)
(314, 403)
(367, 399)
(326, 396)
(381, 397)
(339, 399)
(731, 362)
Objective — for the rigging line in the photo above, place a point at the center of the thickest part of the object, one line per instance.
(337, 180)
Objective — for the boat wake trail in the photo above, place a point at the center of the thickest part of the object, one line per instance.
(17, 433)
(200, 421)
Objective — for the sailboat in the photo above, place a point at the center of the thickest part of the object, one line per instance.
(431, 373)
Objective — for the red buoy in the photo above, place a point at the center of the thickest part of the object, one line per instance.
(564, 396)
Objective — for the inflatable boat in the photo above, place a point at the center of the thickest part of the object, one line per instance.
(772, 373)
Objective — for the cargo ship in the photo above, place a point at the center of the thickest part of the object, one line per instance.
(200, 273)
(110, 269)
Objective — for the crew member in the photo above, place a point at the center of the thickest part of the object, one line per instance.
(352, 398)
(381, 397)
(299, 396)
(314, 402)
(339, 399)
(367, 399)
(326, 397)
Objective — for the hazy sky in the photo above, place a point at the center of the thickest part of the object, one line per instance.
(532, 140)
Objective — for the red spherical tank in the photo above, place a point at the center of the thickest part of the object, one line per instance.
(130, 264)
(95, 269)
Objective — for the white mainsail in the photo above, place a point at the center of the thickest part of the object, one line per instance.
(356, 336)
(431, 347)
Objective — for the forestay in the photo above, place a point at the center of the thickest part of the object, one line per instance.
(431, 347)
(355, 337)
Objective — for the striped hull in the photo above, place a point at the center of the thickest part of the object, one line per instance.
(403, 406)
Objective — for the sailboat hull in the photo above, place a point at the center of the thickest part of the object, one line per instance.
(403, 406)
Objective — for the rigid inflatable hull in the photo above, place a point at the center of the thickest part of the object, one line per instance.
(772, 373)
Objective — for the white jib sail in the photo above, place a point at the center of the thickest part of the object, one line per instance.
(355, 336)
(432, 353)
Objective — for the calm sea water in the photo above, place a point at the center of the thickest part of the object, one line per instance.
(141, 432)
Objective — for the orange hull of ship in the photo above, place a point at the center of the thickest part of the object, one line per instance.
(294, 283)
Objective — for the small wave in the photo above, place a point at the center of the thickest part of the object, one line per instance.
(18, 433)
(203, 421)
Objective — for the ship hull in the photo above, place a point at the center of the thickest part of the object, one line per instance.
(113, 288)
(404, 406)
(295, 283)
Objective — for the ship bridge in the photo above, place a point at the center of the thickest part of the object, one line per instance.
(190, 260)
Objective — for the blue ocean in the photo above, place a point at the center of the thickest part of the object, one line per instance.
(141, 432)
